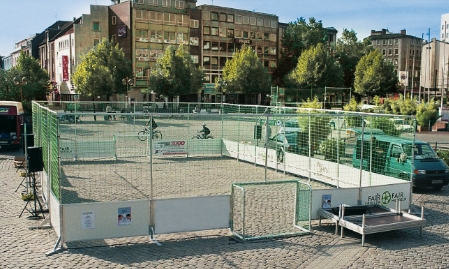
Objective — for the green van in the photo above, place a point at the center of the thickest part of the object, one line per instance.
(401, 158)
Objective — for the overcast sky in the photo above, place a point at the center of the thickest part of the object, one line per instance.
(24, 18)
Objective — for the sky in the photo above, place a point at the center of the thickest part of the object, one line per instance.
(24, 18)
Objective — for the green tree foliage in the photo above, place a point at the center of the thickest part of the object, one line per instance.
(37, 82)
(317, 68)
(374, 76)
(245, 73)
(175, 74)
(400, 106)
(427, 114)
(349, 52)
(352, 120)
(101, 71)
(317, 126)
(298, 37)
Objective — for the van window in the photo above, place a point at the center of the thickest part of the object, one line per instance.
(396, 151)
(420, 151)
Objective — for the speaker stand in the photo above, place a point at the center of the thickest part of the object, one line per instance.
(35, 203)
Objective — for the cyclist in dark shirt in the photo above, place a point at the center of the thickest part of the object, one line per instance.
(153, 123)
(205, 131)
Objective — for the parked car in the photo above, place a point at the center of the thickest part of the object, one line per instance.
(402, 125)
(288, 142)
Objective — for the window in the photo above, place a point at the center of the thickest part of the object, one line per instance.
(96, 41)
(222, 32)
(152, 2)
(141, 14)
(223, 61)
(274, 24)
(396, 51)
(396, 41)
(96, 26)
(230, 33)
(383, 52)
(206, 60)
(206, 30)
(156, 36)
(194, 58)
(166, 3)
(214, 31)
(238, 33)
(214, 60)
(230, 18)
(442, 27)
(114, 20)
(215, 46)
(230, 47)
(206, 45)
(155, 16)
(245, 20)
(223, 46)
(194, 23)
(138, 1)
(389, 52)
(169, 18)
(259, 50)
(252, 21)
(259, 22)
(273, 37)
(214, 16)
(238, 19)
(169, 37)
(194, 41)
(273, 50)
(182, 19)
(378, 42)
(266, 23)
(245, 34)
(179, 4)
(141, 34)
(390, 42)
(252, 35)
(223, 16)
(385, 42)
(206, 15)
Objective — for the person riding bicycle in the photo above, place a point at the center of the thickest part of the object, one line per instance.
(153, 123)
(204, 132)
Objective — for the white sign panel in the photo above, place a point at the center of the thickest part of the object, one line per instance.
(169, 147)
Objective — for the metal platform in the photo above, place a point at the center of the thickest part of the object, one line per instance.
(370, 219)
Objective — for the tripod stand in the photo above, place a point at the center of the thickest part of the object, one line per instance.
(33, 200)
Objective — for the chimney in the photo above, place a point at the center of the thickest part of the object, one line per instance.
(403, 32)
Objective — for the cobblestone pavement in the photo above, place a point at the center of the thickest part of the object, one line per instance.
(23, 247)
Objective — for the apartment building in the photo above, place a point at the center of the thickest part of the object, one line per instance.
(404, 52)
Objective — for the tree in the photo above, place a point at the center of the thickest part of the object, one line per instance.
(244, 73)
(375, 76)
(349, 52)
(298, 37)
(101, 71)
(317, 68)
(175, 74)
(317, 126)
(37, 82)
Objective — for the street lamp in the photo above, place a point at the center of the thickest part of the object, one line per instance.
(128, 82)
(20, 81)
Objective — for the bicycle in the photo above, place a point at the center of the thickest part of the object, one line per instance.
(142, 135)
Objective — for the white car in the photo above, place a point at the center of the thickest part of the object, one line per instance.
(402, 125)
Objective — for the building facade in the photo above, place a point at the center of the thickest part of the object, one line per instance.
(404, 52)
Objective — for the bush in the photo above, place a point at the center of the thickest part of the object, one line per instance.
(427, 114)
(329, 149)
(443, 155)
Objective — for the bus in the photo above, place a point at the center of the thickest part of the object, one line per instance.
(11, 119)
